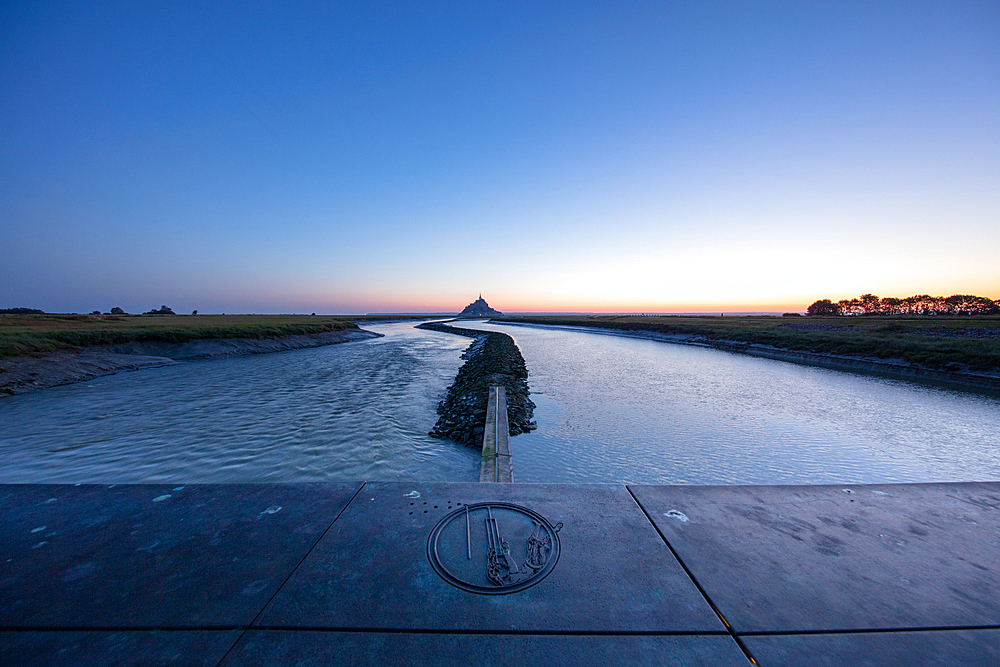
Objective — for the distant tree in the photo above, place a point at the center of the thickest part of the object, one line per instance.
(850, 307)
(21, 311)
(984, 306)
(870, 304)
(955, 304)
(117, 311)
(969, 304)
(162, 311)
(925, 304)
(918, 304)
(194, 312)
(891, 306)
(823, 307)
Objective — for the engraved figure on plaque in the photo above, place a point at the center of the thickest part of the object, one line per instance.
(493, 548)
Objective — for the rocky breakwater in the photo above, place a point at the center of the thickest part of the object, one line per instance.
(492, 359)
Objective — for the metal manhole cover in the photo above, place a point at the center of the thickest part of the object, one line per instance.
(493, 548)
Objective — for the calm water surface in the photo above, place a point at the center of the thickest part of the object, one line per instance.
(610, 409)
(354, 411)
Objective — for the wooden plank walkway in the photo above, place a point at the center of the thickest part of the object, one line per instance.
(497, 466)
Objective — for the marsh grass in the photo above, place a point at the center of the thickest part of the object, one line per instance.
(38, 334)
(939, 342)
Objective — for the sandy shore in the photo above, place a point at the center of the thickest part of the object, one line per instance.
(20, 375)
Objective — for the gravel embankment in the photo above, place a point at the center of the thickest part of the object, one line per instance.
(492, 359)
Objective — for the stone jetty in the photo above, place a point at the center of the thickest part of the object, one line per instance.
(492, 360)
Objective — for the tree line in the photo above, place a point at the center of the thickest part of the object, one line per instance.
(920, 304)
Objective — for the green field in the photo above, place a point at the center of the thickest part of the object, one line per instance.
(949, 343)
(38, 334)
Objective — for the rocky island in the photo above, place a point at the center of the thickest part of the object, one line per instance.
(479, 308)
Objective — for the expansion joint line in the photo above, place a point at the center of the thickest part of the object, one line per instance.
(694, 580)
(294, 569)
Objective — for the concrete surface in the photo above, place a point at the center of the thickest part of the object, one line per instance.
(340, 574)
(461, 650)
(879, 649)
(154, 556)
(123, 648)
(815, 558)
(371, 570)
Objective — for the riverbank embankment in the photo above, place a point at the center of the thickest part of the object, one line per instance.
(961, 353)
(27, 373)
(43, 333)
(493, 359)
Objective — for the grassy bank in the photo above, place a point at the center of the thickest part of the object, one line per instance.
(941, 343)
(38, 334)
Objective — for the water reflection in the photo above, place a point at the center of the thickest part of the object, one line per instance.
(610, 409)
(356, 411)
(613, 409)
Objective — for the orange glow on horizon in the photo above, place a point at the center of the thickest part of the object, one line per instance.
(558, 306)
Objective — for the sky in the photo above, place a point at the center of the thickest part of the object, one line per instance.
(554, 156)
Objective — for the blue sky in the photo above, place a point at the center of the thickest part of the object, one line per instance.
(363, 157)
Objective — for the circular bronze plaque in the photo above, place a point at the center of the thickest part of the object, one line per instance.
(493, 548)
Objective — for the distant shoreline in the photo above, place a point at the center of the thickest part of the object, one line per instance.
(987, 381)
(24, 374)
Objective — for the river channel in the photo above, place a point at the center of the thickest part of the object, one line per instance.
(610, 409)
(353, 411)
(613, 408)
